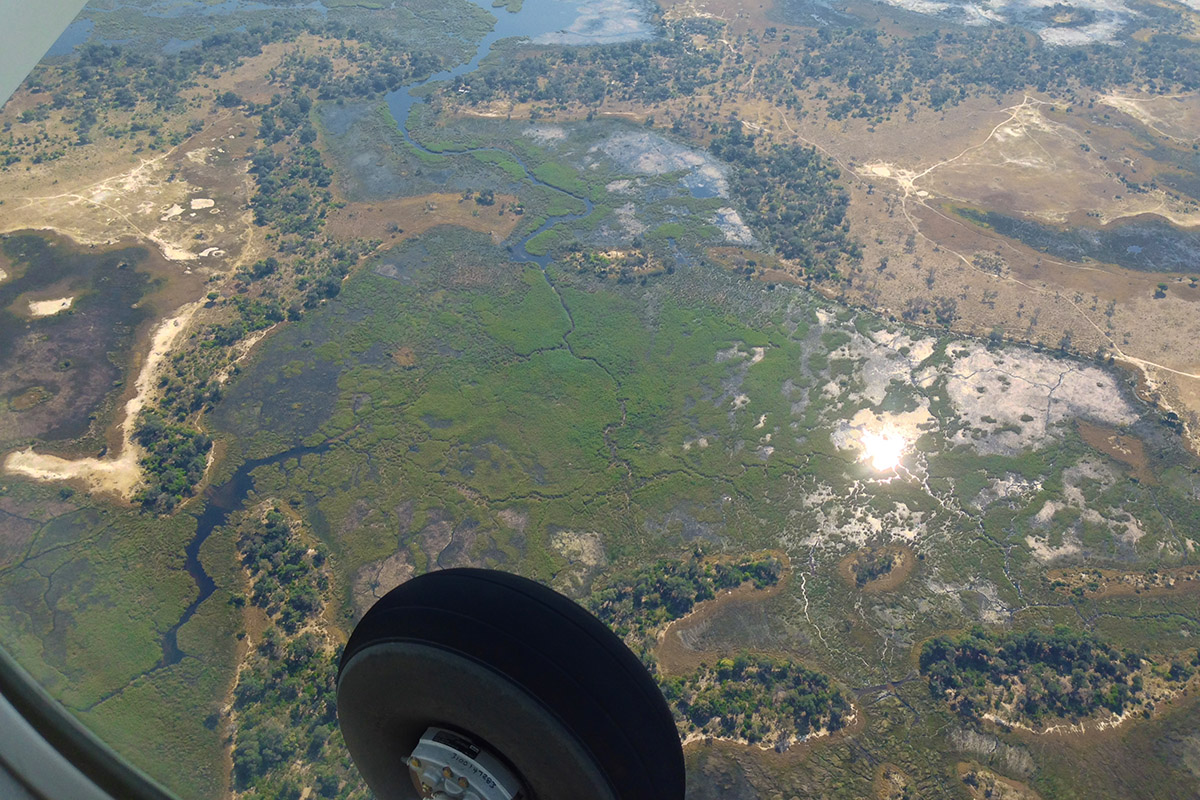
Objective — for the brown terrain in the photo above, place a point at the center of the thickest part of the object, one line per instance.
(400, 218)
(1057, 161)
(904, 561)
(675, 655)
(1128, 450)
(190, 203)
(1097, 582)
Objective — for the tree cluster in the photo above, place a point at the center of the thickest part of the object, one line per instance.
(634, 604)
(288, 578)
(792, 199)
(756, 698)
(284, 703)
(1037, 676)
(174, 461)
(872, 565)
(644, 71)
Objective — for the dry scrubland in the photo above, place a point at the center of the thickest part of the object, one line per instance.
(1088, 158)
(451, 408)
(394, 220)
(178, 182)
(188, 200)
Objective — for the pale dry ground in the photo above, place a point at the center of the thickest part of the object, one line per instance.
(158, 200)
(1035, 297)
(48, 308)
(988, 785)
(1021, 155)
(190, 202)
(896, 210)
(1041, 166)
(1175, 116)
(120, 475)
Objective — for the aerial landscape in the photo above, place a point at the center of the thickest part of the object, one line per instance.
(839, 355)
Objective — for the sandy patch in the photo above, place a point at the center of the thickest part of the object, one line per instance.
(585, 556)
(199, 155)
(647, 153)
(731, 224)
(404, 217)
(1010, 487)
(48, 308)
(512, 518)
(545, 133)
(1010, 403)
(121, 475)
(1173, 116)
(984, 784)
(628, 217)
(202, 202)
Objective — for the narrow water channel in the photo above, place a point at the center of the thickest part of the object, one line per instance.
(536, 18)
(219, 503)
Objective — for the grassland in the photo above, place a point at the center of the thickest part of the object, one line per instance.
(636, 420)
(445, 406)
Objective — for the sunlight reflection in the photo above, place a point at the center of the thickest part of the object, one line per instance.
(883, 450)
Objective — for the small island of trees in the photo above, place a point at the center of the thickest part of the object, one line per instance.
(753, 698)
(635, 604)
(757, 699)
(873, 564)
(1039, 677)
(286, 742)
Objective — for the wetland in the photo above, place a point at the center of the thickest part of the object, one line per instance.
(65, 366)
(1148, 244)
(493, 334)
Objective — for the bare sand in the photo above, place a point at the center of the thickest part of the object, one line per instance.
(120, 475)
(48, 308)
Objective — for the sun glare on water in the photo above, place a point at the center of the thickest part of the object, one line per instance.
(883, 450)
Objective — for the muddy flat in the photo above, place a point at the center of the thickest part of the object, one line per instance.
(904, 560)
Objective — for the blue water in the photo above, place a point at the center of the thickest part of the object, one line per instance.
(76, 34)
(537, 18)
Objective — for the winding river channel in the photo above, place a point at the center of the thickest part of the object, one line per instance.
(537, 19)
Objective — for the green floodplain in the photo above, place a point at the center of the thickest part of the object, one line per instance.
(545, 404)
(453, 407)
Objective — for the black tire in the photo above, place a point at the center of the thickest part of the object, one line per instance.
(531, 674)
